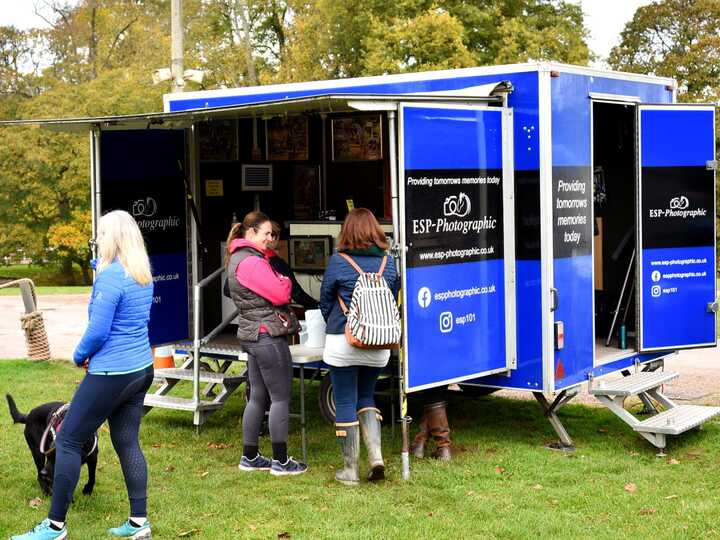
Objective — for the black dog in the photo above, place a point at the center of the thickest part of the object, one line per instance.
(37, 423)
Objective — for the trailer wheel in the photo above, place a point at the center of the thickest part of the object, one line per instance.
(326, 399)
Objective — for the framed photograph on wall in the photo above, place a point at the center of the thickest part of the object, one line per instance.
(357, 138)
(310, 253)
(217, 140)
(287, 138)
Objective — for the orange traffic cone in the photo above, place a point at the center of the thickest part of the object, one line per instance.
(163, 357)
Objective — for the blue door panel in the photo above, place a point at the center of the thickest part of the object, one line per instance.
(677, 215)
(455, 279)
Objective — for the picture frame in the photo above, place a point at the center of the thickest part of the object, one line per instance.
(357, 138)
(286, 138)
(309, 254)
(218, 140)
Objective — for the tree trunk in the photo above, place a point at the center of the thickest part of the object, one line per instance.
(67, 271)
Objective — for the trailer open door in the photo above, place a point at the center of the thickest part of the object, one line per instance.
(677, 294)
(142, 172)
(456, 217)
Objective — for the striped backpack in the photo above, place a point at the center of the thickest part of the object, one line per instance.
(373, 319)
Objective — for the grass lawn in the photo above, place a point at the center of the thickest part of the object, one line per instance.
(43, 276)
(41, 291)
(502, 483)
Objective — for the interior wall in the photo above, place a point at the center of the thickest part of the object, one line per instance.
(614, 208)
(221, 157)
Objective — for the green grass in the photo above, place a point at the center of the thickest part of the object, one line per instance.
(503, 483)
(79, 289)
(42, 275)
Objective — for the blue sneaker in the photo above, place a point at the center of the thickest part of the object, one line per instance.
(258, 463)
(289, 468)
(128, 530)
(43, 531)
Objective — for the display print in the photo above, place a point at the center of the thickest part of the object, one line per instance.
(305, 184)
(217, 141)
(357, 138)
(287, 138)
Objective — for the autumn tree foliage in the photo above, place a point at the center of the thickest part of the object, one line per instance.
(97, 56)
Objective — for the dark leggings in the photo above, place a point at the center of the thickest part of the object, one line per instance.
(270, 374)
(119, 400)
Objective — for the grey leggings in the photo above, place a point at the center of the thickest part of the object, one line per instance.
(270, 376)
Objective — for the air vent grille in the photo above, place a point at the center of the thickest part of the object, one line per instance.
(257, 178)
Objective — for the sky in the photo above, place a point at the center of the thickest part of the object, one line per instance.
(604, 18)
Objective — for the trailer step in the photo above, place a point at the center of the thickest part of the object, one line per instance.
(634, 384)
(178, 403)
(677, 420)
(205, 376)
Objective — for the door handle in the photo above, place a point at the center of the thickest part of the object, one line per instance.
(713, 307)
(554, 299)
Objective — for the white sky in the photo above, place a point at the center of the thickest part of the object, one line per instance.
(604, 18)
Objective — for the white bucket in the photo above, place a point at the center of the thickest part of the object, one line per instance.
(315, 328)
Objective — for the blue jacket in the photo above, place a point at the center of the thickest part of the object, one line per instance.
(116, 338)
(341, 277)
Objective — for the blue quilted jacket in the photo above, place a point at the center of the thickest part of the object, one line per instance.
(116, 338)
(340, 277)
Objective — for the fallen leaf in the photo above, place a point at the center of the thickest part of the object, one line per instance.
(634, 454)
(323, 509)
(204, 474)
(693, 455)
(430, 514)
(105, 428)
(647, 511)
(537, 486)
(191, 532)
(252, 527)
(670, 497)
(470, 493)
(673, 461)
(35, 503)
(630, 488)
(602, 430)
(219, 446)
(284, 535)
(156, 445)
(499, 470)
(169, 468)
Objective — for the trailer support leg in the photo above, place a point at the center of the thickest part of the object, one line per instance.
(550, 410)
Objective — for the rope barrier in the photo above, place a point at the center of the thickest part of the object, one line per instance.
(31, 322)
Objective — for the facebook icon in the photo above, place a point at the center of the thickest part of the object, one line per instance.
(424, 296)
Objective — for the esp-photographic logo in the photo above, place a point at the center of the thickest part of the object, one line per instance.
(457, 205)
(679, 203)
(144, 207)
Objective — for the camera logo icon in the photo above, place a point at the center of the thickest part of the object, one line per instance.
(655, 291)
(446, 322)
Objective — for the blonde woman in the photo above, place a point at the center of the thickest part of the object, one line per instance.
(116, 353)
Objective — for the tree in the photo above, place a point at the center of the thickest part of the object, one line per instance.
(332, 39)
(98, 63)
(674, 38)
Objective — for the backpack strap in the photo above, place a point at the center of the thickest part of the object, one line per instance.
(357, 268)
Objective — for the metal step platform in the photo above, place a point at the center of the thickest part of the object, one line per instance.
(634, 384)
(674, 420)
(677, 420)
(218, 386)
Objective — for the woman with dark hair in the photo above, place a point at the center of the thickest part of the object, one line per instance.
(354, 371)
(265, 320)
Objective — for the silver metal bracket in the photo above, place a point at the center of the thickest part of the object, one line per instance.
(711, 165)
(713, 307)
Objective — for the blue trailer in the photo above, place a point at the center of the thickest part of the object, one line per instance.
(554, 224)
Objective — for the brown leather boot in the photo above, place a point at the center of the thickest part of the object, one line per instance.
(418, 445)
(439, 429)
